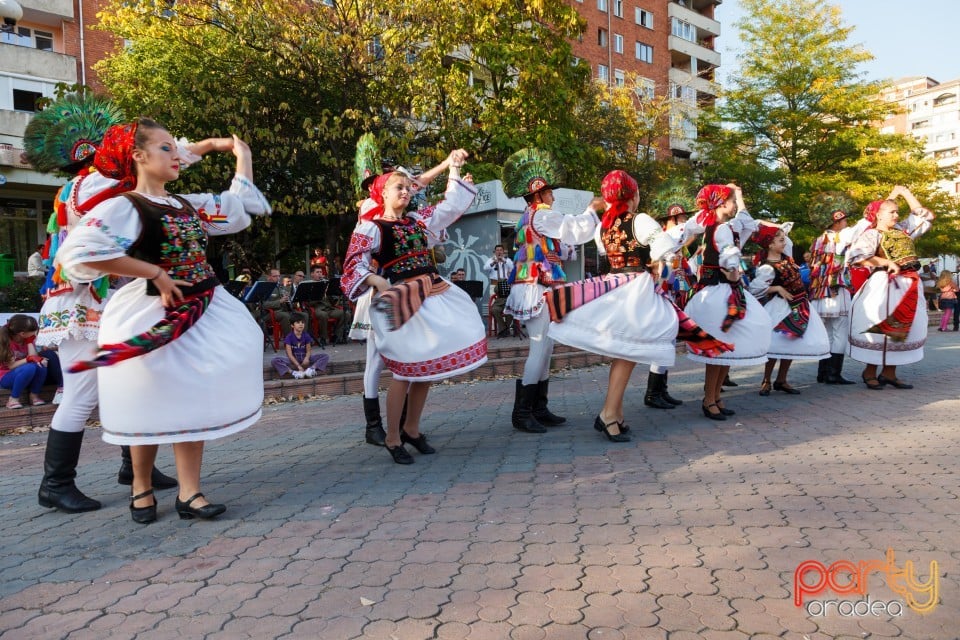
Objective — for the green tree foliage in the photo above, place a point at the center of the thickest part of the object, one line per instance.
(798, 118)
(302, 80)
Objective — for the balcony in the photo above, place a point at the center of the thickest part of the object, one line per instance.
(700, 85)
(13, 123)
(705, 26)
(42, 65)
(687, 49)
(47, 11)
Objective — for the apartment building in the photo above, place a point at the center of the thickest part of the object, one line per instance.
(668, 45)
(42, 43)
(930, 111)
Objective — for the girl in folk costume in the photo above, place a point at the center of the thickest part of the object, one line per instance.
(533, 174)
(63, 138)
(622, 315)
(155, 387)
(888, 323)
(367, 177)
(721, 304)
(830, 284)
(798, 333)
(423, 328)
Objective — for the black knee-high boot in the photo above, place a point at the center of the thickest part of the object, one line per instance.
(158, 480)
(541, 413)
(522, 416)
(835, 371)
(666, 394)
(654, 395)
(57, 488)
(375, 434)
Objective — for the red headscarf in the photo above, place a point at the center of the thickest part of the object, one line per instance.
(376, 194)
(871, 211)
(763, 237)
(709, 200)
(617, 188)
(114, 159)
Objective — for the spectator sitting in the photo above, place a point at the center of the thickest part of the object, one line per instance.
(21, 367)
(458, 276)
(299, 361)
(35, 266)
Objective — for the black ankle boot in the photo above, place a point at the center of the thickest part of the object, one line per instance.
(541, 413)
(523, 409)
(158, 479)
(57, 488)
(375, 434)
(654, 395)
(835, 370)
(666, 394)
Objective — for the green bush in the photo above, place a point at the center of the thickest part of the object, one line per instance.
(22, 296)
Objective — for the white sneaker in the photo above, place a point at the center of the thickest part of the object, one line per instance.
(298, 375)
(310, 372)
(58, 397)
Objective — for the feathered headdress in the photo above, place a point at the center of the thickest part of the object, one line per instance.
(530, 170)
(673, 198)
(366, 162)
(829, 207)
(67, 133)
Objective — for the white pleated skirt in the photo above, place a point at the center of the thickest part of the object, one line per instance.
(750, 336)
(445, 338)
(875, 301)
(814, 344)
(206, 384)
(632, 322)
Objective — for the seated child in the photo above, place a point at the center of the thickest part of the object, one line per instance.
(21, 367)
(299, 360)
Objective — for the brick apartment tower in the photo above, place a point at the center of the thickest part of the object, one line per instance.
(670, 44)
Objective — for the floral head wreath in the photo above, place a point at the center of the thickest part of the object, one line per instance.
(617, 188)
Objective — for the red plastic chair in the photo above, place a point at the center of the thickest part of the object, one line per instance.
(272, 326)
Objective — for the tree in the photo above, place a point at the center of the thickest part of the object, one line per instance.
(798, 118)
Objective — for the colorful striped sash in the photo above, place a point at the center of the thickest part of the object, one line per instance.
(564, 298)
(176, 321)
(402, 301)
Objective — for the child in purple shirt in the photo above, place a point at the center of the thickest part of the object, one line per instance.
(299, 360)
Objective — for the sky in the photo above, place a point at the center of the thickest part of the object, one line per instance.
(906, 37)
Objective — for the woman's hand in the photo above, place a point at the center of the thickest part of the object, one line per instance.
(380, 283)
(169, 289)
(598, 205)
(468, 178)
(457, 158)
(783, 293)
(892, 267)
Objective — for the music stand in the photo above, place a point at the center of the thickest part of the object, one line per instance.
(309, 291)
(258, 293)
(333, 289)
(235, 288)
(474, 288)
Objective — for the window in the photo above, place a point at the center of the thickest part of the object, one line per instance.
(683, 30)
(920, 124)
(644, 53)
(685, 94)
(24, 100)
(43, 40)
(645, 89)
(646, 152)
(602, 5)
(618, 43)
(618, 8)
(17, 35)
(618, 77)
(603, 73)
(644, 18)
(602, 37)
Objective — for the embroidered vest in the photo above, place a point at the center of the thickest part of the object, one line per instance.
(786, 274)
(173, 239)
(624, 252)
(898, 246)
(403, 249)
(537, 259)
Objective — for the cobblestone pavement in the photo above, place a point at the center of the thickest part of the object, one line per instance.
(692, 530)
